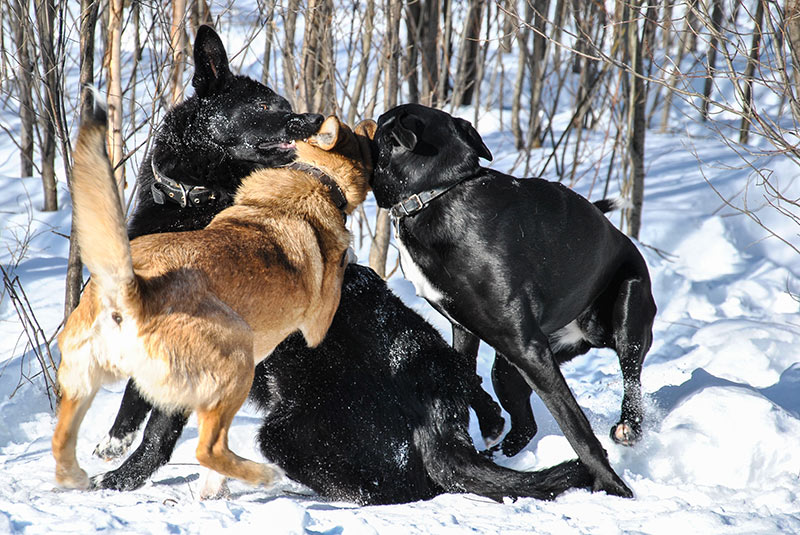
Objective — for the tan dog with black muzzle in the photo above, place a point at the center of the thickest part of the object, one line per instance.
(188, 315)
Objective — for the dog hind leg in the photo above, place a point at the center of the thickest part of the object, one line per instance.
(633, 315)
(71, 412)
(527, 348)
(213, 452)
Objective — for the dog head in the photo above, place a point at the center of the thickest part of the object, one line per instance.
(231, 126)
(420, 148)
(344, 154)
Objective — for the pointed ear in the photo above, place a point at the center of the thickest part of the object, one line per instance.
(366, 128)
(473, 138)
(210, 61)
(328, 134)
(365, 133)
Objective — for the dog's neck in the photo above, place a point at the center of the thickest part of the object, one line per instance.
(165, 188)
(419, 201)
(337, 195)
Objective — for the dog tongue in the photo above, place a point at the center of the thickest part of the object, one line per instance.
(279, 144)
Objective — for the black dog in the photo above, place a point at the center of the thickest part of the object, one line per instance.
(377, 413)
(203, 149)
(528, 266)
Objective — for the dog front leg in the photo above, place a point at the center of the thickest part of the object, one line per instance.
(514, 394)
(320, 320)
(71, 412)
(488, 412)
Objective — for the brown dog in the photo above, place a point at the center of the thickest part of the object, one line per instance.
(188, 315)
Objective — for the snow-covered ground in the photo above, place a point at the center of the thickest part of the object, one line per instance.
(722, 384)
(721, 453)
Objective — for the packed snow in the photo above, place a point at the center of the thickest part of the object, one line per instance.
(721, 453)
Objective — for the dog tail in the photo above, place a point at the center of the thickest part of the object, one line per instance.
(462, 469)
(98, 220)
(609, 205)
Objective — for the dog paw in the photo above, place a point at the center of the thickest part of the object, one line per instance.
(626, 433)
(111, 448)
(215, 486)
(613, 486)
(492, 429)
(73, 479)
(273, 474)
(516, 440)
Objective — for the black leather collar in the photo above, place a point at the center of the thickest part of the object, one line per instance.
(183, 194)
(418, 201)
(336, 193)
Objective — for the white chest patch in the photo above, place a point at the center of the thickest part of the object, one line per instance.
(567, 336)
(412, 272)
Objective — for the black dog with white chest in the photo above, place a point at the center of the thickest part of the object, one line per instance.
(528, 266)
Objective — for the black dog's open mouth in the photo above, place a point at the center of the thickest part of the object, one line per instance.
(278, 145)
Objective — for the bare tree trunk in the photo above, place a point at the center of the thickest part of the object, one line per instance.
(711, 56)
(289, 77)
(177, 43)
(466, 77)
(316, 64)
(792, 21)
(447, 51)
(267, 8)
(380, 242)
(429, 45)
(23, 34)
(538, 59)
(747, 98)
(45, 22)
(637, 99)
(363, 66)
(414, 32)
(114, 94)
(88, 19)
(522, 64)
(683, 48)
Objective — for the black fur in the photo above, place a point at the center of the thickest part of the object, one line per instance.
(512, 262)
(377, 413)
(230, 127)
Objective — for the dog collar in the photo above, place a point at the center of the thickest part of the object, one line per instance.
(184, 195)
(336, 193)
(417, 202)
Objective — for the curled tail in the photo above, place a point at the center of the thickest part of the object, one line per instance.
(97, 219)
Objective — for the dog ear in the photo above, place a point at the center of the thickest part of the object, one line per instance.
(402, 135)
(366, 128)
(473, 138)
(328, 134)
(210, 61)
(365, 133)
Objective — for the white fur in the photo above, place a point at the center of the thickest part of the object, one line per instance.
(412, 272)
(215, 486)
(567, 336)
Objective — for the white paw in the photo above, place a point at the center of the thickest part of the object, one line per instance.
(215, 486)
(113, 448)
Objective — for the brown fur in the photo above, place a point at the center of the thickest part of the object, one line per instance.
(188, 315)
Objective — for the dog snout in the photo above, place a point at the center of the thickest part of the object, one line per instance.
(303, 125)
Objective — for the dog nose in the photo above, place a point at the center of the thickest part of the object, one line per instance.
(304, 124)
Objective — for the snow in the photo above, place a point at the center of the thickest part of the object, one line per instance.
(721, 383)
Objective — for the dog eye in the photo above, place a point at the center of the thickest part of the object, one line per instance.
(263, 106)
